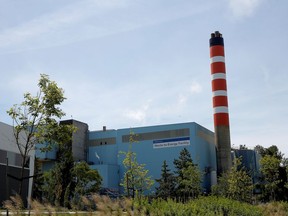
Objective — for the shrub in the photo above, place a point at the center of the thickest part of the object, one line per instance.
(203, 206)
(275, 208)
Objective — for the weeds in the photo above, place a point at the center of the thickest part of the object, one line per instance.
(103, 205)
(14, 205)
(275, 208)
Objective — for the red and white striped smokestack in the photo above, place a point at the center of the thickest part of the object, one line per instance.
(220, 103)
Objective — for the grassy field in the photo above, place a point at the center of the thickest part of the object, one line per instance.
(102, 205)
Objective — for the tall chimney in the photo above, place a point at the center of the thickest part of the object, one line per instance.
(220, 103)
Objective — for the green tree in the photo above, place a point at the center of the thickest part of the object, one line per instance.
(272, 151)
(240, 184)
(136, 178)
(58, 179)
(220, 189)
(270, 170)
(187, 185)
(36, 120)
(68, 181)
(272, 158)
(235, 184)
(85, 179)
(182, 162)
(191, 182)
(167, 183)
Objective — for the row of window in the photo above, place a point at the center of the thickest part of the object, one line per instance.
(143, 136)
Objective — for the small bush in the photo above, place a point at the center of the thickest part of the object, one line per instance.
(275, 208)
(203, 206)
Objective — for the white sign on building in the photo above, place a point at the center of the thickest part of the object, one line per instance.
(174, 142)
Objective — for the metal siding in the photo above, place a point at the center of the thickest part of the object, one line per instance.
(107, 154)
(109, 174)
(12, 184)
(201, 147)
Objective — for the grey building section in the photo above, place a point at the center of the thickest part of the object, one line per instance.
(9, 185)
(79, 139)
(9, 152)
(79, 145)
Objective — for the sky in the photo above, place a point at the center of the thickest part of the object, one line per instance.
(133, 63)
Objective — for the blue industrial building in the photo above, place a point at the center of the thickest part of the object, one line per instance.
(153, 145)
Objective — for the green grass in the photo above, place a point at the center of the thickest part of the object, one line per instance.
(103, 205)
(203, 206)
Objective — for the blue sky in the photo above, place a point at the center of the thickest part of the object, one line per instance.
(130, 63)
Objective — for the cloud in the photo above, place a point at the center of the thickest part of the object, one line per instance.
(187, 93)
(138, 115)
(182, 99)
(89, 19)
(243, 8)
(185, 96)
(52, 25)
(195, 88)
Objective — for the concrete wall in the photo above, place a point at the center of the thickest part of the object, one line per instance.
(79, 141)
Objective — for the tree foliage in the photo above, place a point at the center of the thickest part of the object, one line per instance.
(270, 170)
(136, 178)
(167, 183)
(58, 180)
(191, 182)
(85, 179)
(67, 181)
(274, 170)
(36, 120)
(182, 162)
(235, 184)
(271, 151)
(188, 176)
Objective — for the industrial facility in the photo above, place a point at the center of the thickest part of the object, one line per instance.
(154, 144)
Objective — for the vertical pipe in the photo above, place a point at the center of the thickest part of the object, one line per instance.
(220, 103)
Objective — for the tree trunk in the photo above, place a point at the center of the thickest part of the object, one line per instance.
(21, 175)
